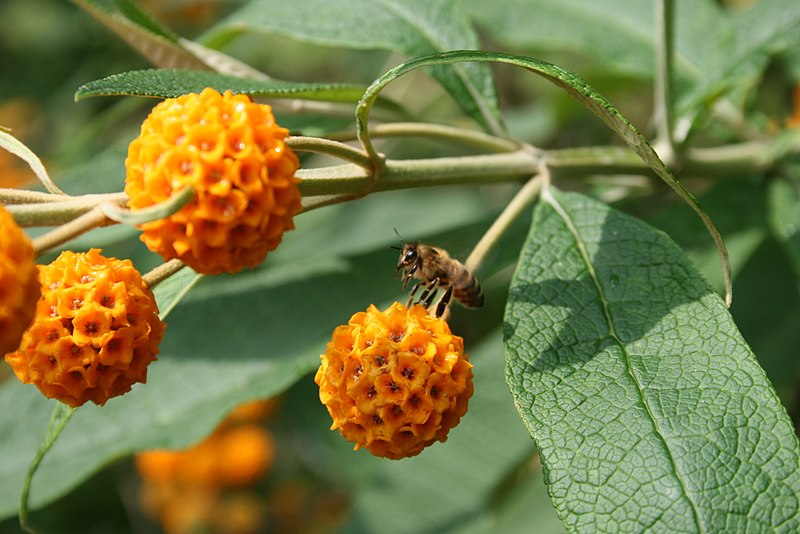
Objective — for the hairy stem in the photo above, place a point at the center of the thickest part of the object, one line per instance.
(43, 209)
(330, 148)
(72, 229)
(472, 138)
(162, 272)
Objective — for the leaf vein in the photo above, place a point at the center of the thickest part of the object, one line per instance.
(548, 197)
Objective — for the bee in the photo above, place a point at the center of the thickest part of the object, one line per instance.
(436, 270)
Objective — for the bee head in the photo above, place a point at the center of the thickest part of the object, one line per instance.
(408, 257)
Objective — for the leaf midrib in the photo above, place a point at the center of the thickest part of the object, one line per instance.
(548, 197)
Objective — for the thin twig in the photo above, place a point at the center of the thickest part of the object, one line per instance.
(23, 196)
(331, 148)
(320, 201)
(162, 272)
(72, 229)
(524, 198)
(56, 209)
(665, 139)
(462, 136)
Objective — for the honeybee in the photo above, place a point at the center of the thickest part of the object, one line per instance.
(436, 270)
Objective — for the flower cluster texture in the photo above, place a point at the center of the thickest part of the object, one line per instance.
(95, 331)
(395, 381)
(19, 284)
(232, 153)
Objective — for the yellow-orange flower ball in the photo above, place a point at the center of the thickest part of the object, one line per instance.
(19, 285)
(395, 381)
(232, 153)
(95, 331)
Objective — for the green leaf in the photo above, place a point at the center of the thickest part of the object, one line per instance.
(170, 291)
(137, 15)
(408, 26)
(784, 217)
(716, 50)
(159, 44)
(578, 89)
(159, 48)
(648, 408)
(18, 148)
(736, 58)
(618, 36)
(169, 83)
(738, 208)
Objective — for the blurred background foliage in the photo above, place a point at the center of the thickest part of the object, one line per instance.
(487, 476)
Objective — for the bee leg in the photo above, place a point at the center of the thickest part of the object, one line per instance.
(406, 279)
(427, 295)
(411, 295)
(441, 306)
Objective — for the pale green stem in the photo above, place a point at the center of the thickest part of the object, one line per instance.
(23, 196)
(665, 140)
(162, 272)
(70, 230)
(43, 209)
(521, 201)
(330, 148)
(320, 201)
(450, 134)
(404, 174)
(351, 181)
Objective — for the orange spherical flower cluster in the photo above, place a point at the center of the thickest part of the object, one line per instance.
(232, 153)
(95, 331)
(194, 488)
(395, 381)
(231, 457)
(19, 285)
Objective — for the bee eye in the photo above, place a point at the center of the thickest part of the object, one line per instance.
(410, 255)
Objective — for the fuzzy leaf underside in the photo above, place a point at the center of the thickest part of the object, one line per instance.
(648, 407)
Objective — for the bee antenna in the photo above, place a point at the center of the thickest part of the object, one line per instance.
(398, 236)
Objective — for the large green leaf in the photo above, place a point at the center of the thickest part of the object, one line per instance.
(649, 409)
(784, 216)
(616, 35)
(738, 57)
(169, 83)
(409, 26)
(233, 338)
(142, 34)
(715, 50)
